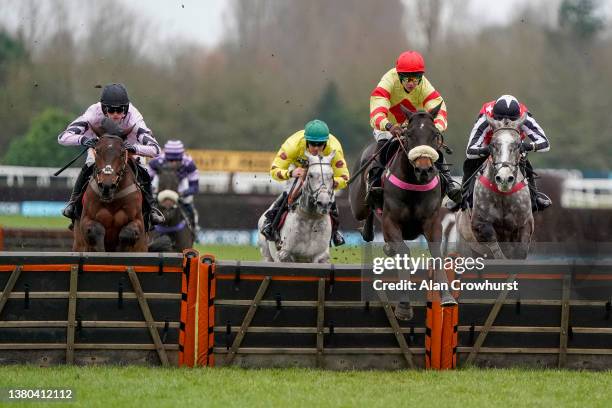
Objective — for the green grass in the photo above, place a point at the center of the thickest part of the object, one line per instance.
(138, 386)
(242, 253)
(19, 221)
(342, 254)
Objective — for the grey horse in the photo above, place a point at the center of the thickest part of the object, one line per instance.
(305, 234)
(501, 210)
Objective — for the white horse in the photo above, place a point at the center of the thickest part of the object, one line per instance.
(305, 235)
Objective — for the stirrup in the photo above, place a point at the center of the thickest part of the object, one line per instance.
(68, 211)
(156, 217)
(338, 239)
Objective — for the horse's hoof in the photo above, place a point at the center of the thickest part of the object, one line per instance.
(448, 300)
(403, 311)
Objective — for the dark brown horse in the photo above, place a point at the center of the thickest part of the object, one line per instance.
(412, 195)
(112, 218)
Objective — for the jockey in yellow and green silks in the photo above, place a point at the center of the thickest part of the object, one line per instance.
(288, 163)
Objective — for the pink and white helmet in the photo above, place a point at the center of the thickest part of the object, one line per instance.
(174, 150)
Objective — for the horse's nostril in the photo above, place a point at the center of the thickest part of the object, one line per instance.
(498, 179)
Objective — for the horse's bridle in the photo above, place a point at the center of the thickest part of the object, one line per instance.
(108, 169)
(500, 165)
(314, 194)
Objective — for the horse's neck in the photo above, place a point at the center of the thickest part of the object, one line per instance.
(400, 167)
(128, 178)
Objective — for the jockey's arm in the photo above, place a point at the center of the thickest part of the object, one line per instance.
(380, 102)
(77, 129)
(341, 172)
(536, 134)
(287, 155)
(146, 145)
(433, 99)
(193, 178)
(476, 140)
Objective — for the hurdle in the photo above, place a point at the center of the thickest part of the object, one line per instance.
(288, 315)
(98, 308)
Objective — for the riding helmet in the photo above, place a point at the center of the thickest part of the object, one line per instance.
(410, 61)
(316, 131)
(174, 150)
(507, 107)
(114, 95)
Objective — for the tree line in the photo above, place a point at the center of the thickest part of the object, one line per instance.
(282, 63)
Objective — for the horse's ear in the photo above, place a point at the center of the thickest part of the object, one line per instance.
(406, 112)
(517, 123)
(98, 131)
(125, 132)
(308, 155)
(331, 156)
(434, 111)
(493, 122)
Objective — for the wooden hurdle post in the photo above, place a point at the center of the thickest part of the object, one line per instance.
(441, 330)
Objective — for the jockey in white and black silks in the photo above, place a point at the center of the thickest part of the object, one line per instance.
(405, 85)
(187, 174)
(315, 138)
(533, 140)
(115, 105)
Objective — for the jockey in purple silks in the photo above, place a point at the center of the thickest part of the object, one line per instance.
(115, 105)
(187, 172)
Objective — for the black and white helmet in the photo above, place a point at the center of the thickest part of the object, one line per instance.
(114, 96)
(506, 107)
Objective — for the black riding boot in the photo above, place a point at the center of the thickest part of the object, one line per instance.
(267, 230)
(81, 181)
(374, 194)
(469, 168)
(539, 200)
(336, 236)
(452, 190)
(155, 217)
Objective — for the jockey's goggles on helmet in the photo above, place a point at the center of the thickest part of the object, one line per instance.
(115, 108)
(411, 77)
(316, 144)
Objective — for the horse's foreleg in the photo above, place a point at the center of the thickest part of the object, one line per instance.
(394, 245)
(486, 235)
(94, 233)
(433, 234)
(130, 236)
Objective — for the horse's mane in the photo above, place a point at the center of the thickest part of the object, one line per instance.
(109, 127)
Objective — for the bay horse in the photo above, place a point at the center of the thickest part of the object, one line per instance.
(111, 219)
(412, 196)
(306, 232)
(501, 210)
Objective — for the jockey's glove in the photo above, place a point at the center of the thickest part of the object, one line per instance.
(89, 141)
(129, 147)
(484, 151)
(527, 147)
(395, 130)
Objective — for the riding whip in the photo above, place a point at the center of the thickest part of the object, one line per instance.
(370, 160)
(57, 173)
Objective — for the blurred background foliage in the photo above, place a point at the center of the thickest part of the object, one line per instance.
(282, 63)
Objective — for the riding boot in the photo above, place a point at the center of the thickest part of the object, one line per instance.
(336, 236)
(453, 191)
(467, 183)
(155, 217)
(267, 229)
(81, 181)
(374, 195)
(539, 200)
